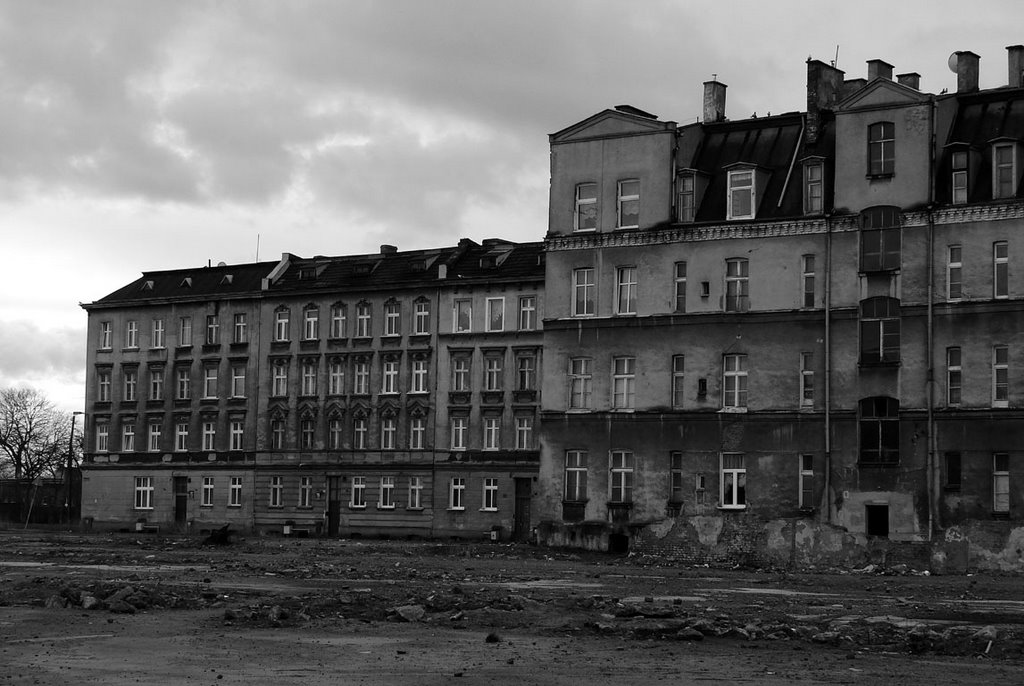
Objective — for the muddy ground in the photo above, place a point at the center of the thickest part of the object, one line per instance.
(135, 609)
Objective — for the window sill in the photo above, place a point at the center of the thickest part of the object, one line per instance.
(385, 507)
(235, 506)
(414, 509)
(356, 507)
(456, 509)
(880, 177)
(593, 230)
(879, 364)
(1000, 405)
(733, 410)
(488, 509)
(732, 508)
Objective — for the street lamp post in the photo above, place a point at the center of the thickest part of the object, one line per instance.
(67, 472)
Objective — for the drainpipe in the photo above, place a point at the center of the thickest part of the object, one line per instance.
(932, 470)
(828, 369)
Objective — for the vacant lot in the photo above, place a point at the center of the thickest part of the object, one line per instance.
(146, 610)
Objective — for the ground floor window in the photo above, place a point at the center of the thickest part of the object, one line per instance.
(143, 493)
(207, 491)
(387, 493)
(456, 494)
(276, 491)
(806, 481)
(734, 481)
(1001, 483)
(622, 476)
(358, 496)
(235, 492)
(415, 492)
(490, 501)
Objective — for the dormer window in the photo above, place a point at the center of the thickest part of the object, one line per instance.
(814, 187)
(881, 149)
(628, 212)
(959, 177)
(686, 207)
(1004, 170)
(307, 273)
(585, 213)
(742, 194)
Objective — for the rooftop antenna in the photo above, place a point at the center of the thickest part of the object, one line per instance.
(257, 247)
(835, 62)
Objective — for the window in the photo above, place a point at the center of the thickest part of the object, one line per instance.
(493, 373)
(334, 432)
(415, 493)
(880, 240)
(277, 434)
(879, 330)
(279, 380)
(1004, 174)
(1001, 483)
(305, 491)
(143, 493)
(495, 314)
(580, 383)
(212, 329)
(240, 330)
(131, 334)
(456, 494)
(106, 336)
(734, 386)
(806, 481)
(813, 188)
(490, 500)
(309, 377)
(235, 492)
(807, 280)
(583, 292)
(952, 471)
(734, 481)
(806, 379)
(156, 384)
(361, 377)
(307, 433)
(741, 198)
(954, 376)
(237, 434)
(339, 316)
(527, 312)
(184, 384)
(1000, 270)
(954, 272)
(576, 476)
(524, 433)
(526, 372)
(421, 317)
(585, 213)
(358, 495)
(207, 500)
(102, 438)
(310, 324)
(463, 316)
(181, 436)
(363, 317)
(492, 433)
(392, 318)
(1000, 376)
(209, 436)
(417, 430)
(628, 214)
(881, 149)
(209, 382)
(680, 284)
(625, 290)
(281, 325)
(103, 387)
(388, 431)
(131, 382)
(959, 179)
(678, 374)
(276, 492)
(460, 374)
(622, 476)
(158, 333)
(623, 383)
(128, 437)
(687, 201)
(387, 493)
(737, 285)
(675, 479)
(335, 377)
(879, 430)
(185, 332)
(419, 376)
(155, 430)
(460, 426)
(359, 432)
(237, 381)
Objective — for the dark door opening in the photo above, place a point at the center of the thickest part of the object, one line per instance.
(333, 506)
(180, 500)
(618, 544)
(521, 514)
(876, 519)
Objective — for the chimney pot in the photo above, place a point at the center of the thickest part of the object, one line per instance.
(879, 69)
(1015, 62)
(386, 249)
(966, 71)
(714, 101)
(911, 80)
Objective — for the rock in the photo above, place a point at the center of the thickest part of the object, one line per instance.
(492, 638)
(987, 633)
(121, 607)
(230, 615)
(119, 595)
(90, 602)
(689, 634)
(410, 613)
(277, 613)
(56, 601)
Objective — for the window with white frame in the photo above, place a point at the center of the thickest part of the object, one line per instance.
(339, 318)
(209, 382)
(392, 318)
(158, 334)
(954, 376)
(310, 324)
(806, 481)
(686, 203)
(389, 376)
(580, 383)
(388, 433)
(209, 435)
(583, 288)
(623, 383)
(495, 314)
(143, 493)
(462, 315)
(1001, 483)
(457, 493)
(357, 498)
(155, 430)
(305, 491)
(575, 476)
(813, 188)
(737, 285)
(184, 383)
(1000, 270)
(807, 281)
(734, 383)
(527, 312)
(334, 433)
(585, 212)
(625, 290)
(1004, 170)
(493, 372)
(128, 437)
(954, 272)
(524, 433)
(628, 205)
(741, 199)
(417, 431)
(421, 317)
(238, 381)
(281, 325)
(102, 438)
(460, 427)
(307, 433)
(237, 434)
(207, 500)
(415, 501)
(235, 492)
(185, 332)
(490, 499)
(363, 320)
(460, 373)
(240, 329)
(106, 336)
(277, 432)
(279, 378)
(1000, 376)
(678, 376)
(675, 478)
(959, 177)
(131, 337)
(156, 384)
(680, 287)
(526, 372)
(621, 476)
(881, 149)
(335, 377)
(180, 436)
(492, 433)
(419, 376)
(733, 478)
(212, 330)
(360, 430)
(131, 383)
(361, 377)
(806, 379)
(386, 501)
(103, 386)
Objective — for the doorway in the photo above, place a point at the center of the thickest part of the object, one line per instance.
(180, 501)
(876, 520)
(333, 505)
(521, 513)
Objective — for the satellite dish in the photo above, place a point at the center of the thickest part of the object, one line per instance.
(952, 62)
(222, 264)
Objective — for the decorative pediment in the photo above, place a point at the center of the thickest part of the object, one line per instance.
(335, 411)
(882, 92)
(418, 409)
(615, 122)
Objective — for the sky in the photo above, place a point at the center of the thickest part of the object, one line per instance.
(138, 135)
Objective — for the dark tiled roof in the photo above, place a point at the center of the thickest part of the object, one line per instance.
(499, 260)
(191, 284)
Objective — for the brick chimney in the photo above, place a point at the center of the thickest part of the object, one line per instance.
(879, 69)
(966, 71)
(824, 83)
(1015, 60)
(911, 80)
(714, 101)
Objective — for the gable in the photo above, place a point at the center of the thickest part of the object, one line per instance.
(611, 123)
(882, 92)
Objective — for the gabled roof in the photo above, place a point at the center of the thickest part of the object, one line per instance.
(621, 121)
(201, 283)
(882, 92)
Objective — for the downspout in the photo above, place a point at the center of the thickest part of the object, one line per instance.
(932, 470)
(828, 369)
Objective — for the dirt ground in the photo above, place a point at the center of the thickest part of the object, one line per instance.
(127, 609)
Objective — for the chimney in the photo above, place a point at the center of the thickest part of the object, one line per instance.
(714, 101)
(1015, 55)
(824, 83)
(879, 69)
(851, 86)
(966, 71)
(388, 249)
(911, 80)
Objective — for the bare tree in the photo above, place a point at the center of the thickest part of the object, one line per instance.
(34, 435)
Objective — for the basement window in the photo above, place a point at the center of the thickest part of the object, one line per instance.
(876, 520)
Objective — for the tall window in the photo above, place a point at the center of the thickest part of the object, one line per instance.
(1000, 376)
(240, 329)
(210, 382)
(737, 285)
(421, 317)
(625, 290)
(954, 272)
(879, 430)
(624, 383)
(339, 319)
(807, 280)
(389, 376)
(392, 318)
(106, 336)
(310, 324)
(131, 334)
(277, 434)
(734, 481)
(1001, 482)
(307, 433)
(209, 436)
(103, 387)
(806, 379)
(156, 384)
(734, 385)
(155, 429)
(628, 214)
(305, 491)
(879, 330)
(880, 240)
(524, 433)
(237, 381)
(357, 496)
(622, 476)
(457, 494)
(742, 198)
(184, 383)
(361, 377)
(495, 314)
(460, 374)
(415, 492)
(687, 202)
(388, 433)
(462, 320)
(387, 493)
(492, 433)
(235, 492)
(143, 493)
(207, 491)
(212, 329)
(185, 332)
(675, 478)
(490, 499)
(180, 436)
(881, 148)
(131, 383)
(954, 376)
(281, 325)
(527, 312)
(237, 435)
(806, 481)
(678, 376)
(813, 188)
(279, 378)
(309, 377)
(583, 288)
(680, 287)
(575, 476)
(959, 178)
(417, 430)
(419, 376)
(493, 373)
(580, 380)
(360, 429)
(102, 438)
(585, 213)
(334, 433)
(460, 427)
(1004, 174)
(158, 333)
(128, 437)
(363, 316)
(1000, 270)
